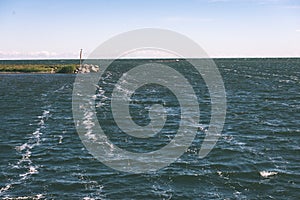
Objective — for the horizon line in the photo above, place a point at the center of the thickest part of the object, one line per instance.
(151, 58)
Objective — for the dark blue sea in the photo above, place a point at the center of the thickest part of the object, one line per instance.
(256, 157)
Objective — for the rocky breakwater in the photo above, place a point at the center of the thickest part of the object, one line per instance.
(87, 68)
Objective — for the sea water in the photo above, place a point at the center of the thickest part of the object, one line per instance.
(256, 157)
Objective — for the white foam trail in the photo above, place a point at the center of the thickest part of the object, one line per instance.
(62, 88)
(26, 152)
(89, 124)
(162, 193)
(36, 197)
(31, 170)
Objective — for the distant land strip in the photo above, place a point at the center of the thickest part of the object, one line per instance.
(72, 65)
(38, 68)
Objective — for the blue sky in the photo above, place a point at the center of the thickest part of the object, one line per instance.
(224, 28)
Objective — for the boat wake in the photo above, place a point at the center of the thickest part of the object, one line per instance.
(26, 151)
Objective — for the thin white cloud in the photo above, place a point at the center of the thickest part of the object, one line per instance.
(218, 1)
(292, 6)
(263, 2)
(187, 19)
(150, 53)
(35, 55)
(282, 3)
(298, 30)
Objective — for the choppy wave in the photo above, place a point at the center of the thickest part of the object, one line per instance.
(25, 150)
(42, 156)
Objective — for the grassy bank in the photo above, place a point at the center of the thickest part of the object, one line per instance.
(38, 68)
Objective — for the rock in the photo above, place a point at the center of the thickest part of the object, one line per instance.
(87, 68)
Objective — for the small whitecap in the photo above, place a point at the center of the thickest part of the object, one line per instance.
(22, 147)
(37, 132)
(33, 170)
(266, 174)
(99, 105)
(88, 198)
(46, 112)
(39, 196)
(42, 122)
(5, 188)
(90, 136)
(60, 139)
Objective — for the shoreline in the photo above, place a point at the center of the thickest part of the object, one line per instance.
(72, 66)
(13, 67)
(5, 72)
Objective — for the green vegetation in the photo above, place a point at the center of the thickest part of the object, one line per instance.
(25, 68)
(66, 69)
(38, 68)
